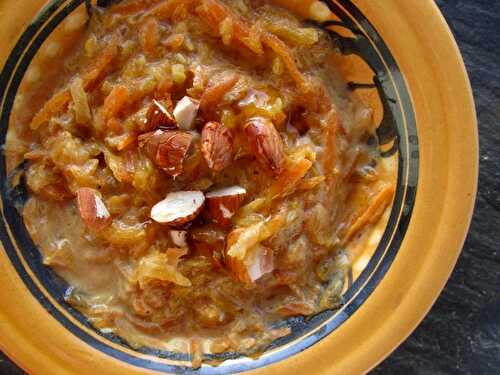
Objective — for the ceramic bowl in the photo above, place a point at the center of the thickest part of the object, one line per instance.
(401, 58)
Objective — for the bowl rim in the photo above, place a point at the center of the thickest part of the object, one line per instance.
(313, 355)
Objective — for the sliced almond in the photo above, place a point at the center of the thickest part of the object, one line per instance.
(245, 256)
(185, 112)
(224, 203)
(266, 144)
(217, 145)
(172, 151)
(158, 116)
(178, 208)
(149, 142)
(92, 209)
(258, 262)
(167, 149)
(179, 238)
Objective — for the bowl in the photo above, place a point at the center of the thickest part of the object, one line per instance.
(402, 59)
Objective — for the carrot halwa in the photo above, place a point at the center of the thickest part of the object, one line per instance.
(198, 171)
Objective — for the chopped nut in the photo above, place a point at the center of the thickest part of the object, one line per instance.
(245, 256)
(242, 240)
(167, 149)
(178, 208)
(223, 203)
(266, 144)
(217, 145)
(259, 261)
(92, 209)
(158, 116)
(185, 112)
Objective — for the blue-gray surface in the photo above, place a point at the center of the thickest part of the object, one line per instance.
(461, 335)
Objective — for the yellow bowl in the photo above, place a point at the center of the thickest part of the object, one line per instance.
(430, 124)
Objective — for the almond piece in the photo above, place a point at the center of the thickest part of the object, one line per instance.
(266, 144)
(245, 256)
(178, 208)
(172, 151)
(217, 145)
(185, 112)
(149, 142)
(178, 237)
(158, 116)
(167, 149)
(259, 261)
(92, 209)
(224, 203)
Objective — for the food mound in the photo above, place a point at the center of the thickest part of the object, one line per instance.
(198, 171)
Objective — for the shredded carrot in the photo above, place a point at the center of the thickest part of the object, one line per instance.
(330, 151)
(132, 7)
(35, 154)
(56, 105)
(310, 183)
(60, 101)
(287, 182)
(114, 124)
(174, 41)
(371, 213)
(167, 9)
(213, 12)
(102, 66)
(115, 101)
(56, 191)
(196, 353)
(150, 36)
(174, 254)
(281, 49)
(216, 92)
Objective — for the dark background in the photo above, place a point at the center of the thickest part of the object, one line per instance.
(461, 335)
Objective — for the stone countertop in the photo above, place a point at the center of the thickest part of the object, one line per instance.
(461, 334)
